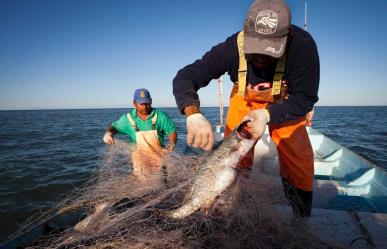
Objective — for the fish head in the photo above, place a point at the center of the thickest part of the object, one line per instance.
(240, 141)
(242, 131)
(245, 138)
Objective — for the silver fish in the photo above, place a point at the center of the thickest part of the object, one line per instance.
(217, 174)
(92, 223)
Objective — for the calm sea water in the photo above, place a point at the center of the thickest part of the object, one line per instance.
(45, 154)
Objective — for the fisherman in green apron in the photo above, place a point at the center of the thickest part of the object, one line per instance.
(146, 127)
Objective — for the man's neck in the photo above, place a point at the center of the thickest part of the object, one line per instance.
(143, 116)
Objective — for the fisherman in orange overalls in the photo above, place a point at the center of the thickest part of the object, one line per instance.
(275, 69)
(145, 126)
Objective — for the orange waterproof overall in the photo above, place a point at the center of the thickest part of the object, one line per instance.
(291, 139)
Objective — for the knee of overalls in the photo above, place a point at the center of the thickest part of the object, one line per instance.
(295, 153)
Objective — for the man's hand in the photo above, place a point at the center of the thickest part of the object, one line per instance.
(259, 118)
(199, 132)
(108, 138)
(309, 118)
(170, 147)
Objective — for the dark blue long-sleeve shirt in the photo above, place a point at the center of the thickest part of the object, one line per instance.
(302, 74)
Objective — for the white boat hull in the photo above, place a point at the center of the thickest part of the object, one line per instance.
(350, 193)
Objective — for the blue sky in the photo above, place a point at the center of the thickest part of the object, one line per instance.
(91, 54)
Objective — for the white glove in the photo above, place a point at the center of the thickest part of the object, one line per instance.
(199, 132)
(108, 138)
(259, 118)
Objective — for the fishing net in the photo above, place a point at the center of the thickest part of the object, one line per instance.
(122, 210)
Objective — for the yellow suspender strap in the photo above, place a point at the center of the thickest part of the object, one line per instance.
(134, 125)
(242, 71)
(154, 119)
(131, 121)
(279, 73)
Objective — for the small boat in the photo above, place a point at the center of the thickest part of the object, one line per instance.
(350, 193)
(349, 203)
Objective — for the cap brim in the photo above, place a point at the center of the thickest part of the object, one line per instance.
(274, 47)
(143, 101)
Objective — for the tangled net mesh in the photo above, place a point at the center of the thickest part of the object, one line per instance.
(243, 217)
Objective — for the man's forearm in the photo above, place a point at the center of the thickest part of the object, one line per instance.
(111, 129)
(191, 109)
(173, 138)
(211, 66)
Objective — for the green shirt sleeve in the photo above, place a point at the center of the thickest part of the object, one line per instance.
(123, 126)
(120, 124)
(164, 123)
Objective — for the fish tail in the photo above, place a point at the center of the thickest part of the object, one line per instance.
(183, 211)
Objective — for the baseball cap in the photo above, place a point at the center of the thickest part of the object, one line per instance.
(142, 96)
(266, 28)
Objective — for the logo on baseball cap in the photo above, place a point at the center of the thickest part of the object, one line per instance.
(266, 28)
(142, 96)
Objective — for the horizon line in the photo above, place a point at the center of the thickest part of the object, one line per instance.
(96, 108)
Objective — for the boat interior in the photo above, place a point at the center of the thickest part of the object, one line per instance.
(349, 201)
